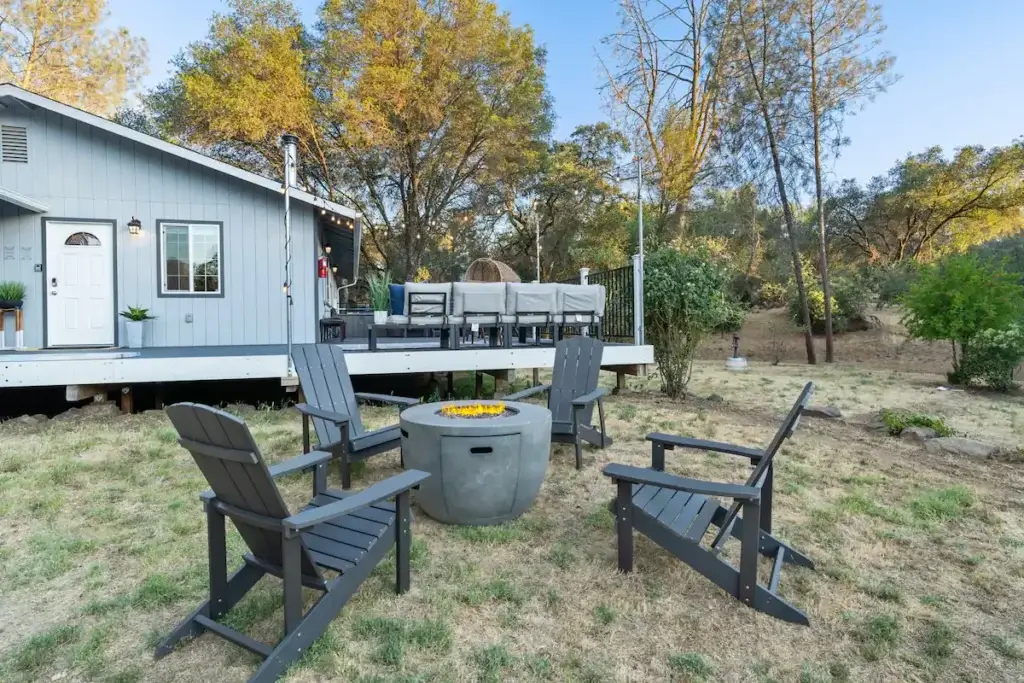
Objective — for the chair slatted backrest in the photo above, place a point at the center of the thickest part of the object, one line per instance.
(228, 457)
(757, 477)
(323, 375)
(576, 370)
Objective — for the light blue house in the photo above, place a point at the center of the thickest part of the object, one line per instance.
(96, 217)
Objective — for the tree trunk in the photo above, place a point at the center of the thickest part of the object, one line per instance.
(819, 194)
(787, 212)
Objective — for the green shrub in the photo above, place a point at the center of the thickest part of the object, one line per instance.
(890, 283)
(12, 291)
(959, 299)
(898, 420)
(849, 301)
(772, 295)
(851, 296)
(685, 299)
(991, 357)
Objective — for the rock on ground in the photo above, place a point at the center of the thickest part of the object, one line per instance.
(827, 412)
(958, 445)
(918, 434)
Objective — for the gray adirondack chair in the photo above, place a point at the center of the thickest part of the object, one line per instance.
(676, 512)
(333, 407)
(572, 394)
(347, 533)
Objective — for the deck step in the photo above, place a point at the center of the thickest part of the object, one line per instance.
(780, 557)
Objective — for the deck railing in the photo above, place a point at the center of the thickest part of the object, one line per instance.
(619, 309)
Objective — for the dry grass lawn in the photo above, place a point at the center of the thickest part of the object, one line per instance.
(920, 558)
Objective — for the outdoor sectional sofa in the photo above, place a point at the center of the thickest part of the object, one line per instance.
(497, 306)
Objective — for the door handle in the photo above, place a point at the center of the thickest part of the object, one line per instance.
(53, 282)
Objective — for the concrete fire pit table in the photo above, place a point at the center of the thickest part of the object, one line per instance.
(485, 468)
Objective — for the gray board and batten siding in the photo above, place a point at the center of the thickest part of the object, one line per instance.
(77, 170)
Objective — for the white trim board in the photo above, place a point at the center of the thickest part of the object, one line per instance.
(25, 202)
(76, 368)
(31, 98)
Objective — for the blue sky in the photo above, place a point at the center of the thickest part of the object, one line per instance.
(961, 68)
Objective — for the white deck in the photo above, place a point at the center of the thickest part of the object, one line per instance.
(120, 367)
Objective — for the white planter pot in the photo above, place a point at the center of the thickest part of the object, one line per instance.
(380, 317)
(133, 333)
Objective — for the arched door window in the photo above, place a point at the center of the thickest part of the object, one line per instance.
(82, 239)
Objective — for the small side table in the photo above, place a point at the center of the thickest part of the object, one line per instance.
(19, 334)
(332, 328)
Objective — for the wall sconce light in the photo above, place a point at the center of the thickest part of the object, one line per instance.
(334, 269)
(327, 250)
(134, 226)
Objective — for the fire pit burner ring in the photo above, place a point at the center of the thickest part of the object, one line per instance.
(488, 458)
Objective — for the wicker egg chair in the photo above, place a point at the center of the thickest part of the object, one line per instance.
(489, 270)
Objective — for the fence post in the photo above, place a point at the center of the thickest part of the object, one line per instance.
(584, 275)
(638, 300)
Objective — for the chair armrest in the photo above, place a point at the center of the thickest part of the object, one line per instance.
(586, 399)
(329, 415)
(299, 463)
(387, 398)
(672, 441)
(526, 393)
(641, 475)
(382, 490)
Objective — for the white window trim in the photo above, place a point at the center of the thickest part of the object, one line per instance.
(162, 226)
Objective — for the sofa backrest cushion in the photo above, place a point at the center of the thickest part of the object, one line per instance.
(581, 299)
(478, 297)
(428, 299)
(531, 297)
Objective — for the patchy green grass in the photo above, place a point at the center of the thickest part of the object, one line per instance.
(898, 420)
(103, 518)
(691, 666)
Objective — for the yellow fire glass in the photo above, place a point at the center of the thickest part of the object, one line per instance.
(474, 410)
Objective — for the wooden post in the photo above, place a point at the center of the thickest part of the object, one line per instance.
(620, 382)
(478, 384)
(158, 399)
(536, 376)
(126, 400)
(451, 384)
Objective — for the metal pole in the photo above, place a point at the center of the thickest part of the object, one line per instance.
(640, 236)
(290, 144)
(536, 223)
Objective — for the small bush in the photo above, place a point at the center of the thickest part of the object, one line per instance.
(891, 283)
(991, 357)
(772, 295)
(849, 301)
(685, 299)
(960, 301)
(898, 420)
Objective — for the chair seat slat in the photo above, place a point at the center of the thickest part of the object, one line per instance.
(685, 517)
(702, 521)
(656, 504)
(674, 507)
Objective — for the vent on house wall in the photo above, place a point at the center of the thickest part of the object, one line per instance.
(14, 144)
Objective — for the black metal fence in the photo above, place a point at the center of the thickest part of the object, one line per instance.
(618, 309)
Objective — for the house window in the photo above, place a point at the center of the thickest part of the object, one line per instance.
(190, 258)
(82, 239)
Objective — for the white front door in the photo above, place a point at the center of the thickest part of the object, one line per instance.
(79, 280)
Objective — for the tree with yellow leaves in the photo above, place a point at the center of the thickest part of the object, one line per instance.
(58, 49)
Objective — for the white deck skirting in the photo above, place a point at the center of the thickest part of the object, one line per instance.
(129, 367)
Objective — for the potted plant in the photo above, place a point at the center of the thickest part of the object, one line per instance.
(380, 295)
(12, 294)
(135, 318)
